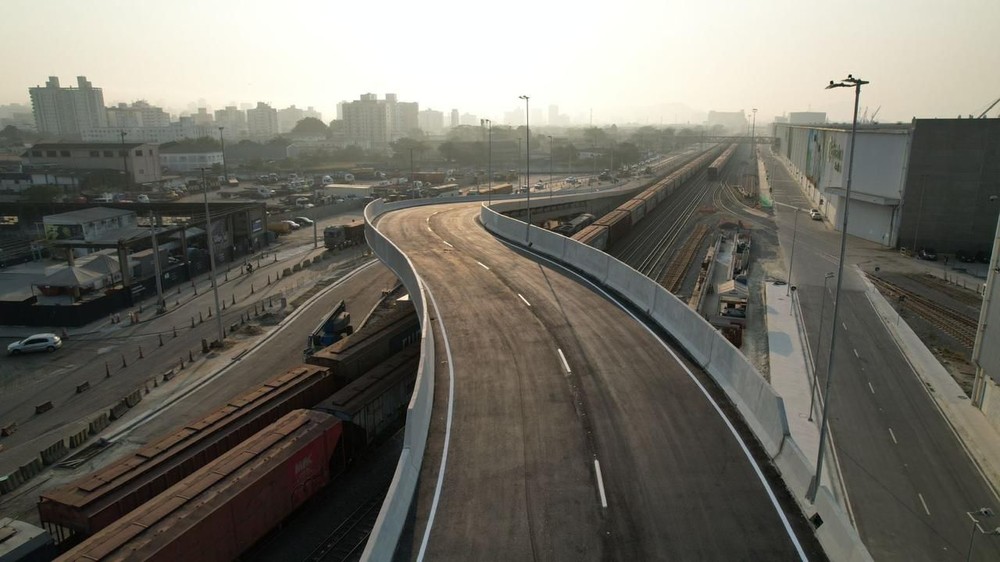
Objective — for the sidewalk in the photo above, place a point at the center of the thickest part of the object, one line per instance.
(791, 377)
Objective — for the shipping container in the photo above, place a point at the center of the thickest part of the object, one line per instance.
(636, 209)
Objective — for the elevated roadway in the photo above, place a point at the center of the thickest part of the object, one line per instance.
(565, 429)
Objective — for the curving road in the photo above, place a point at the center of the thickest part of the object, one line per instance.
(548, 377)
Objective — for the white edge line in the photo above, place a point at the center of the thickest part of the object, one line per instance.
(447, 431)
(921, 496)
(563, 359)
(746, 451)
(600, 484)
(484, 266)
(524, 299)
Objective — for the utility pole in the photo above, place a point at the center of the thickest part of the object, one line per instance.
(128, 180)
(211, 260)
(160, 304)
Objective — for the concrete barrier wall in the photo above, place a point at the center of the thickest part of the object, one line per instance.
(761, 408)
(392, 517)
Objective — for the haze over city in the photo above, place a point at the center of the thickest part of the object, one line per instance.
(636, 61)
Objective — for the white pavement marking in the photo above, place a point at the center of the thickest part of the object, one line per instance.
(844, 325)
(893, 435)
(524, 299)
(600, 484)
(486, 267)
(447, 243)
(447, 430)
(718, 410)
(564, 363)
(872, 388)
(921, 496)
(856, 354)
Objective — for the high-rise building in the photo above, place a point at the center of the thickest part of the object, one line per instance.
(288, 118)
(203, 118)
(311, 112)
(340, 110)
(68, 111)
(430, 121)
(514, 118)
(262, 121)
(469, 119)
(455, 120)
(368, 122)
(372, 123)
(139, 114)
(234, 120)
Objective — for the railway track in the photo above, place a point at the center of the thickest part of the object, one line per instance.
(946, 319)
(346, 542)
(682, 261)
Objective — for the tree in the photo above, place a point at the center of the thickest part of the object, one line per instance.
(448, 151)
(626, 153)
(42, 193)
(595, 136)
(311, 126)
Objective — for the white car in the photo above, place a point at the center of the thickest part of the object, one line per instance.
(292, 224)
(303, 221)
(37, 342)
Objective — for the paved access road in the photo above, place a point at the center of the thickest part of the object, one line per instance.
(908, 478)
(550, 378)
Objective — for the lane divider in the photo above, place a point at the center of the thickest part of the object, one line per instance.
(600, 484)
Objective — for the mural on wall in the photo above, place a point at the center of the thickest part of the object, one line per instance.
(814, 156)
(64, 232)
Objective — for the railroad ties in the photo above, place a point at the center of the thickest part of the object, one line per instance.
(946, 319)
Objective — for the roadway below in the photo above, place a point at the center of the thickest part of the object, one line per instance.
(251, 359)
(563, 428)
(908, 478)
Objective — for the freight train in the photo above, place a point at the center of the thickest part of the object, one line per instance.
(75, 511)
(715, 170)
(222, 509)
(614, 226)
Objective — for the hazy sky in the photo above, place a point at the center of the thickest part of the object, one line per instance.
(625, 60)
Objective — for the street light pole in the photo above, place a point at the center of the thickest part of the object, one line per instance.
(161, 306)
(128, 181)
(791, 260)
(819, 340)
(551, 160)
(211, 259)
(527, 160)
(977, 527)
(225, 172)
(753, 135)
(856, 83)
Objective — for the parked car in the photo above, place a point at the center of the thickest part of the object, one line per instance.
(927, 254)
(982, 257)
(303, 221)
(142, 198)
(37, 342)
(815, 215)
(965, 257)
(292, 224)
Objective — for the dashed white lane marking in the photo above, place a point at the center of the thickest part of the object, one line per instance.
(844, 325)
(564, 363)
(447, 243)
(486, 267)
(524, 299)
(856, 354)
(870, 387)
(600, 484)
(893, 435)
(921, 496)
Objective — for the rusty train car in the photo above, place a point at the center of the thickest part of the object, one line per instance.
(715, 169)
(81, 508)
(226, 506)
(614, 226)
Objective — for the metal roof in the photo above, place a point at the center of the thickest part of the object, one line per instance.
(88, 215)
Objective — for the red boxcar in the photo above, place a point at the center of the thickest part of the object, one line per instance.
(95, 501)
(228, 505)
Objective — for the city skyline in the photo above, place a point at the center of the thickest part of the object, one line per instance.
(774, 56)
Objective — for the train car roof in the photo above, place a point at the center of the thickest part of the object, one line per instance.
(151, 526)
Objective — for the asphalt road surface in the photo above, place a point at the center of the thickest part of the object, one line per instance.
(575, 434)
(909, 480)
